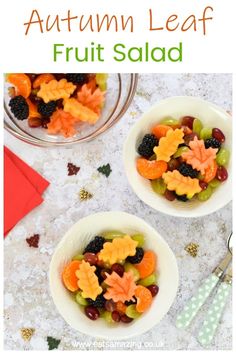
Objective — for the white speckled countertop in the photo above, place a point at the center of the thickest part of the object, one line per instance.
(27, 299)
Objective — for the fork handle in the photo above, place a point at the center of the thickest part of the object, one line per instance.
(195, 303)
(214, 314)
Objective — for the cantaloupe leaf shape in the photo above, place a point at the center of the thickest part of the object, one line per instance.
(169, 144)
(88, 281)
(120, 288)
(55, 90)
(118, 249)
(181, 184)
(62, 122)
(79, 111)
(93, 100)
(199, 157)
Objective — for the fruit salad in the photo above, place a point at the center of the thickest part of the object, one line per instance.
(183, 159)
(113, 278)
(57, 102)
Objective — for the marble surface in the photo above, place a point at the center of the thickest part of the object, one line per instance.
(27, 301)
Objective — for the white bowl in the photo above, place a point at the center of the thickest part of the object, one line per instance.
(177, 107)
(75, 240)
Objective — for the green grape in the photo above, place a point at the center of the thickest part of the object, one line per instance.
(80, 300)
(131, 312)
(139, 238)
(129, 267)
(78, 257)
(101, 80)
(222, 158)
(214, 183)
(169, 121)
(197, 126)
(151, 279)
(107, 316)
(110, 235)
(206, 133)
(205, 194)
(180, 150)
(158, 185)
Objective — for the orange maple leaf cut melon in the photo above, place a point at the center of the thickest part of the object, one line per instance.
(199, 157)
(41, 79)
(147, 265)
(118, 250)
(79, 111)
(94, 100)
(63, 123)
(21, 82)
(120, 288)
(33, 112)
(92, 85)
(69, 277)
(88, 281)
(151, 169)
(168, 144)
(175, 181)
(55, 90)
(144, 298)
(210, 172)
(160, 130)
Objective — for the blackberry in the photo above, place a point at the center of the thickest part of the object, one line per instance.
(127, 303)
(212, 142)
(137, 257)
(182, 198)
(147, 145)
(95, 245)
(47, 109)
(78, 79)
(99, 302)
(19, 107)
(98, 274)
(187, 170)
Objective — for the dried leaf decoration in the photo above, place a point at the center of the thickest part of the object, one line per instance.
(199, 157)
(181, 184)
(120, 288)
(93, 100)
(79, 111)
(62, 122)
(168, 144)
(88, 281)
(118, 249)
(55, 90)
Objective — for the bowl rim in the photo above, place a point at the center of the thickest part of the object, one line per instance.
(17, 132)
(174, 211)
(174, 265)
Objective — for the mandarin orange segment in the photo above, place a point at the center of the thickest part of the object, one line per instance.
(151, 169)
(69, 277)
(33, 112)
(21, 82)
(42, 79)
(120, 288)
(55, 90)
(118, 250)
(169, 144)
(175, 181)
(160, 130)
(210, 172)
(62, 122)
(93, 100)
(144, 298)
(147, 265)
(88, 281)
(79, 111)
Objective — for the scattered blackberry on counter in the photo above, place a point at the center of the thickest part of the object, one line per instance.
(212, 142)
(99, 302)
(95, 246)
(187, 170)
(47, 109)
(78, 79)
(182, 198)
(19, 107)
(137, 257)
(145, 149)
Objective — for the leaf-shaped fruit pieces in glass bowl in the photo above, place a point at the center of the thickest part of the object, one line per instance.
(62, 122)
(88, 281)
(79, 111)
(120, 288)
(55, 90)
(93, 100)
(169, 144)
(181, 184)
(199, 157)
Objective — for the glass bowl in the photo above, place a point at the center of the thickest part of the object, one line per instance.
(120, 92)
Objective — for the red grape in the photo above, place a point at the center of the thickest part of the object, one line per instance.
(110, 305)
(92, 312)
(218, 135)
(188, 121)
(189, 137)
(125, 319)
(154, 289)
(115, 316)
(118, 268)
(103, 273)
(221, 174)
(91, 258)
(203, 185)
(173, 164)
(169, 195)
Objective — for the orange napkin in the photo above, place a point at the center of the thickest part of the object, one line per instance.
(23, 189)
